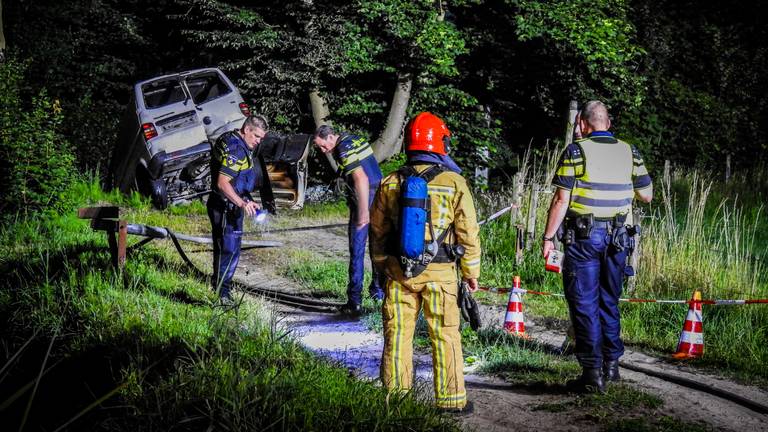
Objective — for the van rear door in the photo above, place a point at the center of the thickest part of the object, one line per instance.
(216, 101)
(165, 104)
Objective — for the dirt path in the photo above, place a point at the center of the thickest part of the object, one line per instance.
(498, 405)
(681, 402)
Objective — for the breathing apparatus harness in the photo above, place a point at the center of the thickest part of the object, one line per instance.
(413, 253)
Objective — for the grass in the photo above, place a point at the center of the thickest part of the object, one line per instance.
(701, 235)
(526, 364)
(532, 367)
(320, 276)
(88, 347)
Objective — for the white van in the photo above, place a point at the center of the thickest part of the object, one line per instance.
(164, 142)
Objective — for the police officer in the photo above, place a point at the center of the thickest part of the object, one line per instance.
(597, 178)
(453, 217)
(234, 174)
(361, 172)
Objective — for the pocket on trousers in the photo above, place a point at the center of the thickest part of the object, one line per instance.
(387, 311)
(573, 289)
(450, 307)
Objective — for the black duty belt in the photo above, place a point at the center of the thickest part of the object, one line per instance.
(604, 224)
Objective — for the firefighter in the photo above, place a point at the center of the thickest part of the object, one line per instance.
(452, 218)
(597, 179)
(362, 175)
(234, 174)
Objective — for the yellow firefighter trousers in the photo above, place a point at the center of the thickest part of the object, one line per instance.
(441, 312)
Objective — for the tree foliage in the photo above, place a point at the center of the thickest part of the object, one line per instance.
(597, 32)
(677, 76)
(707, 93)
(38, 164)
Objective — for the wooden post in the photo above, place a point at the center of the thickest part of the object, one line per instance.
(112, 242)
(122, 240)
(518, 245)
(570, 126)
(634, 260)
(667, 169)
(728, 168)
(531, 228)
(117, 230)
(517, 192)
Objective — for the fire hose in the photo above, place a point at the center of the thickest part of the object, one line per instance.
(490, 218)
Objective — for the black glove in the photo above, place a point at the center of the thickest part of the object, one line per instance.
(469, 310)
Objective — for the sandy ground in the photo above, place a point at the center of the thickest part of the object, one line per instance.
(499, 406)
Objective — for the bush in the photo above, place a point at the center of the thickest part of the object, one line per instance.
(37, 161)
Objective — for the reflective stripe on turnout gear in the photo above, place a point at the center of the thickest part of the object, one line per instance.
(400, 312)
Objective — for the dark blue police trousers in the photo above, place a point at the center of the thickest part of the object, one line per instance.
(357, 239)
(227, 233)
(592, 278)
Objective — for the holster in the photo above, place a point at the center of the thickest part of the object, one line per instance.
(576, 228)
(620, 236)
(582, 226)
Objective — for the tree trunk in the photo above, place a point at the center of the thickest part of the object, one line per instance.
(481, 170)
(391, 139)
(2, 35)
(320, 114)
(570, 126)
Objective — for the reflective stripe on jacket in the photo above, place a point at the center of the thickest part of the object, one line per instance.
(451, 203)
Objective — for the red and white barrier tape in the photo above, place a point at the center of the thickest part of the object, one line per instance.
(632, 300)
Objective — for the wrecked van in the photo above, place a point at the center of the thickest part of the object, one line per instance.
(164, 141)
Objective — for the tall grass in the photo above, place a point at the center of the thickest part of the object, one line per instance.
(88, 347)
(697, 242)
(699, 234)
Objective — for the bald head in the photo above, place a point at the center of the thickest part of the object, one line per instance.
(594, 117)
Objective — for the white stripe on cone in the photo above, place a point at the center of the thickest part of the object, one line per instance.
(692, 338)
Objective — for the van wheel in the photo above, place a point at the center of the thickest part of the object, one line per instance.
(159, 194)
(154, 189)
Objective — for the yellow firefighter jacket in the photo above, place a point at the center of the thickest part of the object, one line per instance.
(451, 208)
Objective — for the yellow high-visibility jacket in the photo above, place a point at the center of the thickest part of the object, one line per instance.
(451, 203)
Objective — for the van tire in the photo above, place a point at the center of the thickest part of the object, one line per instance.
(149, 187)
(159, 194)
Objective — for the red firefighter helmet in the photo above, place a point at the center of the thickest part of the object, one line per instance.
(427, 132)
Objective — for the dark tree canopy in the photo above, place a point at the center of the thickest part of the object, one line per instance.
(683, 80)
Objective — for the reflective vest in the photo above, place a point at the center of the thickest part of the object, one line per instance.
(230, 156)
(603, 178)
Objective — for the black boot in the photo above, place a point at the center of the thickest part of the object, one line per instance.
(352, 310)
(590, 381)
(611, 371)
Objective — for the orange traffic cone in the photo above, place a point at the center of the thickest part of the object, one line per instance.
(691, 343)
(514, 321)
